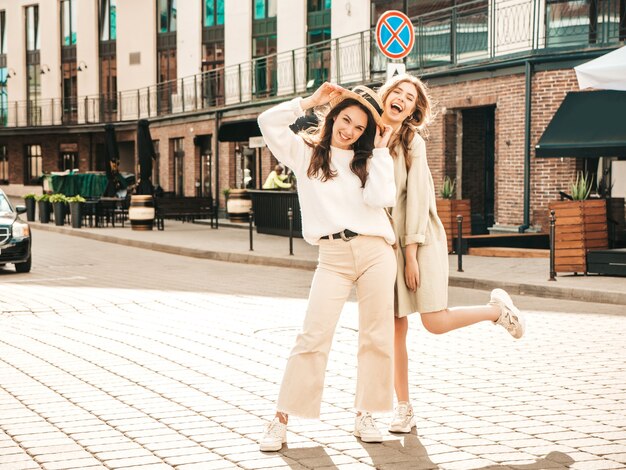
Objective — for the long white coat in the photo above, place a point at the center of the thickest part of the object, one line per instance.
(415, 220)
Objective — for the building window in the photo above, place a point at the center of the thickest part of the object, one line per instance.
(68, 22)
(264, 9)
(166, 55)
(213, 53)
(33, 69)
(167, 16)
(34, 162)
(4, 98)
(68, 161)
(3, 32)
(4, 165)
(108, 20)
(582, 22)
(108, 60)
(213, 13)
(69, 72)
(263, 45)
(178, 158)
(318, 42)
(32, 28)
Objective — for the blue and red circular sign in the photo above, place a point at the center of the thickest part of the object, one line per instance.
(394, 34)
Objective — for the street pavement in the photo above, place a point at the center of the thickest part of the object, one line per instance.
(112, 356)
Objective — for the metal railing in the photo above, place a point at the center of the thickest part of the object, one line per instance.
(475, 32)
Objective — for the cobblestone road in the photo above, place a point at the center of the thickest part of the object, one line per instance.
(116, 357)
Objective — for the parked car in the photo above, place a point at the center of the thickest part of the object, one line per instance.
(15, 238)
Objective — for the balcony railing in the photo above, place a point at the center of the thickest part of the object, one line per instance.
(472, 33)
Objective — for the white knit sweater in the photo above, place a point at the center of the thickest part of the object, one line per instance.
(338, 203)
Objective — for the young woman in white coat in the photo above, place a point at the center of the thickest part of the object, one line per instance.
(422, 279)
(345, 181)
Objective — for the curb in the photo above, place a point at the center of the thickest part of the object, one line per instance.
(534, 290)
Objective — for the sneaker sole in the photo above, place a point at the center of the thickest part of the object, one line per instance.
(506, 298)
(401, 430)
(368, 439)
(271, 448)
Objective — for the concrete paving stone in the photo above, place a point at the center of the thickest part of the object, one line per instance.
(132, 461)
(193, 458)
(596, 465)
(60, 456)
(584, 442)
(213, 465)
(605, 450)
(21, 466)
(180, 451)
(119, 454)
(471, 464)
(156, 466)
(274, 462)
(71, 464)
(54, 449)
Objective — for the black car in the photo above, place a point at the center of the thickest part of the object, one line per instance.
(15, 238)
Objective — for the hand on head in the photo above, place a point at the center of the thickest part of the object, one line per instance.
(382, 138)
(323, 95)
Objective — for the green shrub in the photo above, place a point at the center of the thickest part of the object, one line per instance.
(58, 198)
(77, 198)
(43, 197)
(580, 188)
(447, 189)
(29, 196)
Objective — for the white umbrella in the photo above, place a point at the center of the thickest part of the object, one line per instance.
(607, 72)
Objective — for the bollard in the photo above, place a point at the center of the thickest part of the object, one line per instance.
(459, 243)
(552, 237)
(217, 224)
(290, 217)
(250, 220)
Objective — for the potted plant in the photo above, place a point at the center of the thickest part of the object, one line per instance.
(30, 201)
(448, 208)
(58, 202)
(76, 210)
(43, 204)
(581, 224)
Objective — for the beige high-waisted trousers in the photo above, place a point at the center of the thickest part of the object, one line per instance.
(370, 263)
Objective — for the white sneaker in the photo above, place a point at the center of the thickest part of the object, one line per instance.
(365, 428)
(274, 437)
(511, 319)
(403, 418)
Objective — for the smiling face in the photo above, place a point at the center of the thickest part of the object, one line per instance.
(399, 104)
(348, 127)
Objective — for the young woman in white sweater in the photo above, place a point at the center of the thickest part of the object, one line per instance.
(422, 280)
(345, 182)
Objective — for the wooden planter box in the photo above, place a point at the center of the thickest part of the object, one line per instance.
(580, 226)
(448, 209)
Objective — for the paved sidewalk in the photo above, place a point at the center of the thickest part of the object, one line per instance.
(518, 276)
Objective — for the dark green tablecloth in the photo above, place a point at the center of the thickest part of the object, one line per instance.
(89, 185)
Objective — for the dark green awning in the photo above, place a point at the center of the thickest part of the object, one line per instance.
(587, 124)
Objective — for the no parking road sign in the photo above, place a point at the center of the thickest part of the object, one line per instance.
(394, 34)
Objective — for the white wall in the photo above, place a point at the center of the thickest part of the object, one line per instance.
(50, 33)
(189, 38)
(87, 42)
(291, 29)
(16, 52)
(237, 49)
(136, 32)
(237, 32)
(349, 17)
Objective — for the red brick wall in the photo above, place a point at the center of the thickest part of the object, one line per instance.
(548, 176)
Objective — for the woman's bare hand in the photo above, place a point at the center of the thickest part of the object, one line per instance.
(323, 95)
(412, 274)
(382, 140)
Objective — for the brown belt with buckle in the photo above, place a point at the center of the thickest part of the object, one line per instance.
(346, 235)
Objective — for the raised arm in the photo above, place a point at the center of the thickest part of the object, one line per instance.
(274, 123)
(380, 187)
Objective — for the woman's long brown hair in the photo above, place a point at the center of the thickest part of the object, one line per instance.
(319, 139)
(416, 121)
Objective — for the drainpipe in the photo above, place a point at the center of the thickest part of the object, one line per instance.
(218, 116)
(527, 122)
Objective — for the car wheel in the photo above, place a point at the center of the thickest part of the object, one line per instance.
(24, 267)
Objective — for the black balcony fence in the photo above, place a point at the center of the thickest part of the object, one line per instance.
(474, 32)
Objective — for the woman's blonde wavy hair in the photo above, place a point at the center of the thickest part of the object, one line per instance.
(417, 121)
